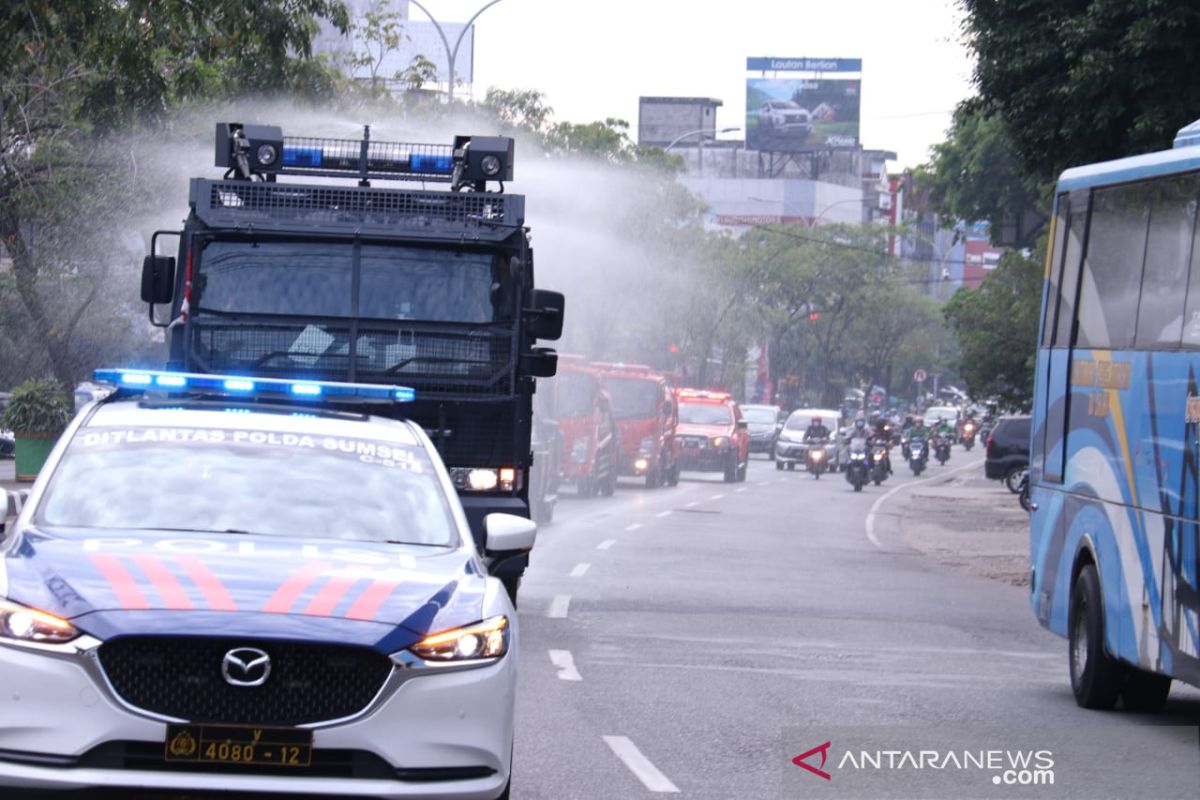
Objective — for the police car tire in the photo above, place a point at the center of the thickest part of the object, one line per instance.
(512, 585)
(1145, 692)
(1098, 683)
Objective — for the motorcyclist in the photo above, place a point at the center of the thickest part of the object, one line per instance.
(881, 438)
(917, 431)
(816, 431)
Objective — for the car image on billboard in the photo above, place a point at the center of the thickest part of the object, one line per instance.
(798, 114)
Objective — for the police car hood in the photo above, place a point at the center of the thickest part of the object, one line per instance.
(234, 584)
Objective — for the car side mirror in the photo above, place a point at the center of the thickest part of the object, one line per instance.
(158, 279)
(544, 319)
(540, 362)
(508, 533)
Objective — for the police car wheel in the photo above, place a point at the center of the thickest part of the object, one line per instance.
(512, 584)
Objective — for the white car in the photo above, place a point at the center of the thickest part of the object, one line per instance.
(253, 590)
(791, 449)
(785, 118)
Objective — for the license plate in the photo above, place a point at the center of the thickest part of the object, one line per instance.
(238, 745)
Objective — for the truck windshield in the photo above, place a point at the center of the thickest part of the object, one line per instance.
(576, 392)
(317, 279)
(705, 414)
(634, 398)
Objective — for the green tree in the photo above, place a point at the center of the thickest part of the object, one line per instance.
(996, 328)
(71, 72)
(1081, 81)
(974, 174)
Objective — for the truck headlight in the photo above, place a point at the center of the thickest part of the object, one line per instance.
(485, 479)
(483, 640)
(720, 441)
(24, 624)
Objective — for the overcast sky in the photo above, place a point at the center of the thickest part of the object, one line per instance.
(594, 59)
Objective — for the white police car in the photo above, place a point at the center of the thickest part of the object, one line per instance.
(251, 595)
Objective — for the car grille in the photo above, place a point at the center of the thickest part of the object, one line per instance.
(694, 441)
(181, 678)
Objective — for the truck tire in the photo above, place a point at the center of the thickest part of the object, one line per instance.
(779, 466)
(1096, 677)
(654, 476)
(731, 468)
(673, 475)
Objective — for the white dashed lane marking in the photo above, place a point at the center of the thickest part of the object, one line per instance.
(639, 765)
(633, 527)
(607, 543)
(580, 570)
(559, 606)
(662, 514)
(566, 665)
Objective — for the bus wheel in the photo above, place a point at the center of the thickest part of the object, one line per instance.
(1145, 691)
(1096, 677)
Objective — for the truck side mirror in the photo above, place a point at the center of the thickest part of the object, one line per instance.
(545, 317)
(541, 362)
(158, 279)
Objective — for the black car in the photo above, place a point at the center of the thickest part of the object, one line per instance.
(1007, 449)
(765, 424)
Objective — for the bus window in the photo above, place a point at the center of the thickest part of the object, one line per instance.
(1061, 222)
(1172, 218)
(1191, 314)
(1069, 285)
(1112, 268)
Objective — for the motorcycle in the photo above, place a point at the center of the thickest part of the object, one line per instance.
(968, 436)
(941, 449)
(858, 471)
(918, 455)
(814, 459)
(880, 467)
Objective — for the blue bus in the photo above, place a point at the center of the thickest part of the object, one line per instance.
(1115, 451)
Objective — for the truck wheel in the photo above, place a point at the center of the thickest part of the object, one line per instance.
(585, 487)
(791, 466)
(607, 484)
(743, 469)
(731, 468)
(673, 475)
(1096, 677)
(1144, 691)
(779, 466)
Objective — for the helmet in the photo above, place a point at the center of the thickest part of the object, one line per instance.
(860, 423)
(815, 421)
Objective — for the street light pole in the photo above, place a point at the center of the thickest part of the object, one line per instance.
(679, 139)
(452, 54)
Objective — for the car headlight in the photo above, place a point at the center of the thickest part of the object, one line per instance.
(646, 447)
(720, 441)
(483, 640)
(30, 625)
(579, 451)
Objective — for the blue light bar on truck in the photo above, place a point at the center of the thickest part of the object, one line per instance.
(250, 386)
(308, 155)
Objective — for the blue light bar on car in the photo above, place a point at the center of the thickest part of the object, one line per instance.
(243, 386)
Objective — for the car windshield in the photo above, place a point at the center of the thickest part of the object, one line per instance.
(760, 415)
(317, 279)
(705, 414)
(634, 398)
(246, 481)
(799, 422)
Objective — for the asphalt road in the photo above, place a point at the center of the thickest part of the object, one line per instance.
(692, 640)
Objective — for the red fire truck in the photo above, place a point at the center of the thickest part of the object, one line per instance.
(647, 414)
(586, 427)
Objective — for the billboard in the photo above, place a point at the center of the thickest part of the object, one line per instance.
(793, 115)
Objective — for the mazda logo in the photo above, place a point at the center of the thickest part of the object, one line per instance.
(246, 666)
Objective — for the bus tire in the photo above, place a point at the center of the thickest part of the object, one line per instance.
(1144, 691)
(1096, 677)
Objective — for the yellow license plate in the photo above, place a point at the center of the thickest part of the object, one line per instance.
(238, 745)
